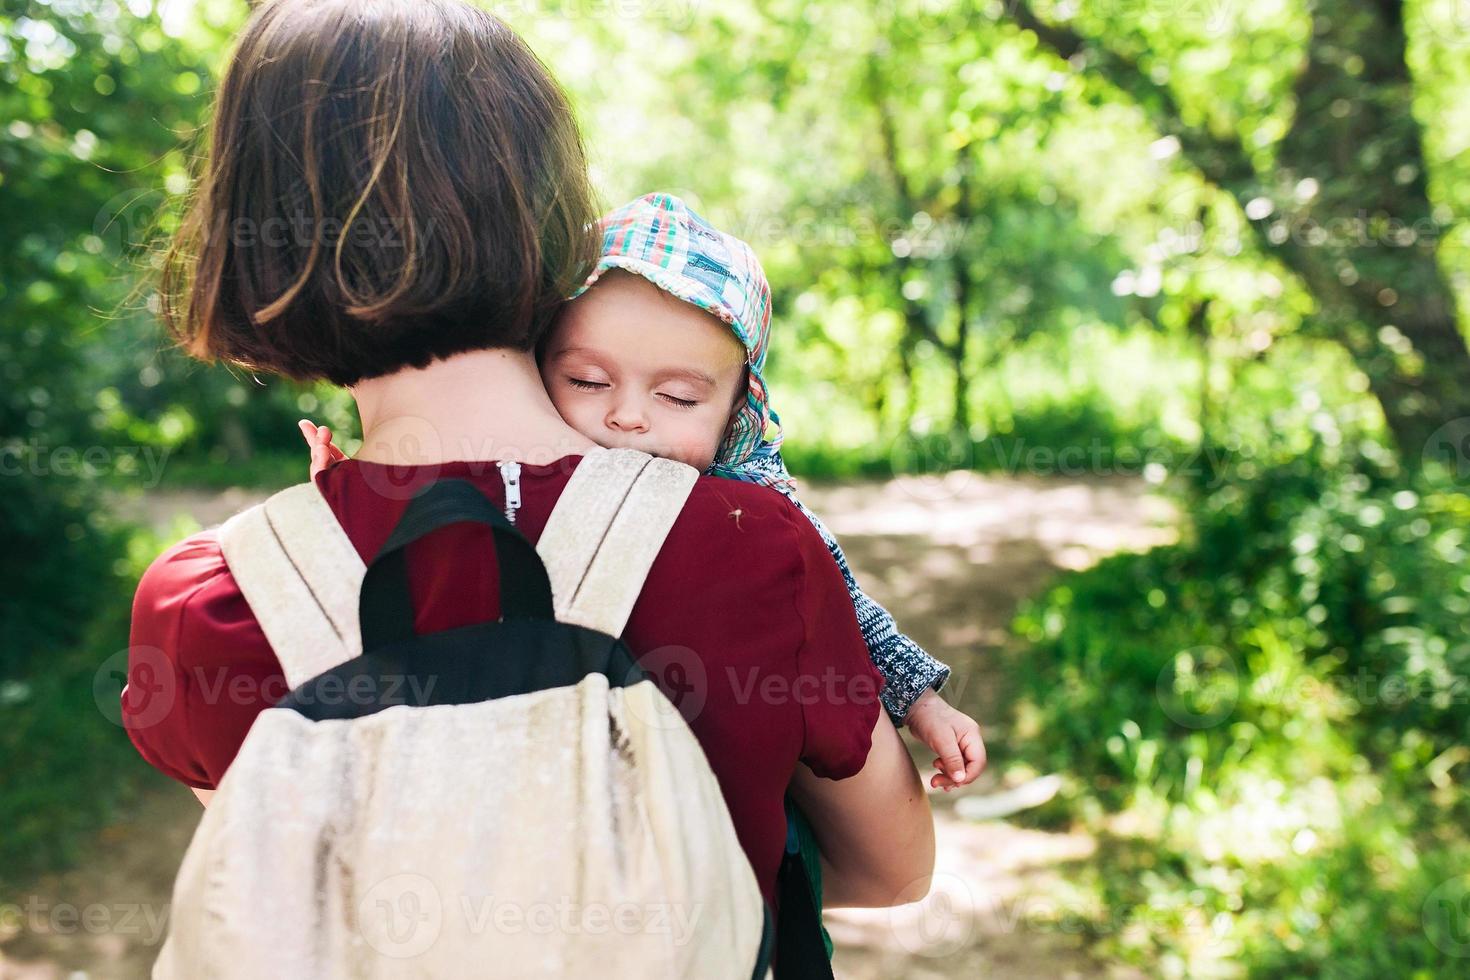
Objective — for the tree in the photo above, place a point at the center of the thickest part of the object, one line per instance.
(1344, 205)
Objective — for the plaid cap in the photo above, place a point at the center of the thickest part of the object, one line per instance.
(659, 238)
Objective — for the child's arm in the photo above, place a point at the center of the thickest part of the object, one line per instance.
(914, 679)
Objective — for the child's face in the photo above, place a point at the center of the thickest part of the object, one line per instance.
(631, 367)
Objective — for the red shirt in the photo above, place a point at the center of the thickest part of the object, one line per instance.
(744, 621)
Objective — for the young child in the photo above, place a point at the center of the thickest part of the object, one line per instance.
(666, 355)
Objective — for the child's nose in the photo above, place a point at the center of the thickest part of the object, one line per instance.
(627, 417)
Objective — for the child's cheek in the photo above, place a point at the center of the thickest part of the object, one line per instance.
(698, 444)
(698, 457)
(575, 412)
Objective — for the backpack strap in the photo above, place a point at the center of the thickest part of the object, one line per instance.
(606, 530)
(301, 576)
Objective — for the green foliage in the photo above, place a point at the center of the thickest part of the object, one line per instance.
(56, 556)
(94, 103)
(1276, 707)
(972, 176)
(68, 764)
(983, 257)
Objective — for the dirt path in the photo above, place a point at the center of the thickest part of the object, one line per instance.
(951, 557)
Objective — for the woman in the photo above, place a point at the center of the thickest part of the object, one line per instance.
(396, 201)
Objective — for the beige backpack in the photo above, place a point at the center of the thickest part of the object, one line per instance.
(512, 799)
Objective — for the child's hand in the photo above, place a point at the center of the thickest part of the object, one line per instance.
(953, 735)
(323, 453)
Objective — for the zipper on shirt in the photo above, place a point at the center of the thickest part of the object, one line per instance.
(510, 475)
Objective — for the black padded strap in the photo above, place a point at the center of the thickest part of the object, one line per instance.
(385, 607)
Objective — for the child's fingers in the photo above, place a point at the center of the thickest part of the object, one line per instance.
(318, 459)
(951, 760)
(973, 747)
(973, 750)
(939, 780)
(324, 437)
(319, 440)
(312, 434)
(315, 435)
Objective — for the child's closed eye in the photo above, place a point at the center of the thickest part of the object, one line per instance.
(586, 384)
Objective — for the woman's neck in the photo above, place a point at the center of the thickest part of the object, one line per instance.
(478, 405)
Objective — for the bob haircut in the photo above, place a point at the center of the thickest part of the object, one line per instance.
(388, 182)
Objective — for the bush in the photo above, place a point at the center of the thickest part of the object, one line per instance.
(69, 577)
(1275, 709)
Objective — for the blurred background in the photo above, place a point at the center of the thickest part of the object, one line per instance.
(1121, 341)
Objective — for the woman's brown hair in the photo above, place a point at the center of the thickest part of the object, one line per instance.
(388, 182)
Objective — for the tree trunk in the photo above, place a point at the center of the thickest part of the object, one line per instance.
(1199, 329)
(1366, 242)
(915, 314)
(961, 347)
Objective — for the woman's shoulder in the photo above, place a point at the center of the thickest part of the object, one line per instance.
(187, 574)
(721, 497)
(729, 525)
(183, 569)
(199, 666)
(189, 605)
(190, 610)
(758, 523)
(155, 700)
